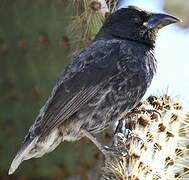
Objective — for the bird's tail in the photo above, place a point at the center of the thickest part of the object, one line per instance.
(23, 154)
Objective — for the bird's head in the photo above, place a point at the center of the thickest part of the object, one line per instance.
(136, 24)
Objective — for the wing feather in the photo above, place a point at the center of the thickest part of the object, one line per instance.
(78, 84)
(70, 108)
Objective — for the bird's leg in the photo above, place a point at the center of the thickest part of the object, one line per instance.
(119, 138)
(119, 127)
(95, 141)
(123, 136)
(107, 151)
(118, 132)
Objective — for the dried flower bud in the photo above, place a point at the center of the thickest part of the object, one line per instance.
(95, 5)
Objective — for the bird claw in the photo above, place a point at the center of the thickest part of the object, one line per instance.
(115, 151)
(134, 137)
(123, 139)
(125, 136)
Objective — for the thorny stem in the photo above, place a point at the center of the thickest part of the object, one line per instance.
(153, 146)
(104, 7)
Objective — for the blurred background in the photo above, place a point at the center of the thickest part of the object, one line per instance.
(37, 41)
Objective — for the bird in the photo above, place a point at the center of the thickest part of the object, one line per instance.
(102, 84)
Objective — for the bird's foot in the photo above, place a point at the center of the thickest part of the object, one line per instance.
(123, 139)
(121, 143)
(123, 134)
(133, 136)
(106, 150)
(114, 151)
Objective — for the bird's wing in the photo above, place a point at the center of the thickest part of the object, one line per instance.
(78, 84)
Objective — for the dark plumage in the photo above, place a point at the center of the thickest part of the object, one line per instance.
(103, 83)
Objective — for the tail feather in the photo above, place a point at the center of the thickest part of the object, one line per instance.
(23, 154)
(36, 147)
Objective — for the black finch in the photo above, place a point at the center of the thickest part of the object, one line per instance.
(103, 83)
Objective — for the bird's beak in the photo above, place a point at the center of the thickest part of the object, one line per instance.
(157, 21)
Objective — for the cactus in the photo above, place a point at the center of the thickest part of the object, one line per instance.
(157, 143)
(86, 22)
(33, 51)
